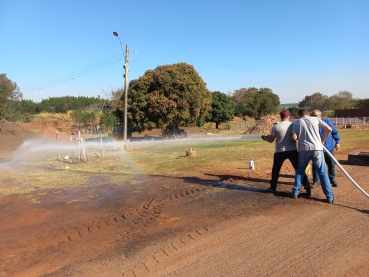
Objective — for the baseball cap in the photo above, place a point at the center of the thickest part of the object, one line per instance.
(285, 113)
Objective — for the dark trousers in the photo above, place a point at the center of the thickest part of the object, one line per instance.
(278, 160)
(330, 164)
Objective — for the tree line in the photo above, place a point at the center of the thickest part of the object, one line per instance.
(339, 101)
(166, 97)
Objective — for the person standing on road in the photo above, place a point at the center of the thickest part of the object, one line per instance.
(285, 148)
(331, 143)
(310, 147)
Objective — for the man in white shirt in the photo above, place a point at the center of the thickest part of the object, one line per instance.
(310, 147)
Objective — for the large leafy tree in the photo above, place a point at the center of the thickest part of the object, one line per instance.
(266, 102)
(244, 100)
(255, 102)
(342, 100)
(222, 108)
(315, 101)
(169, 96)
(9, 95)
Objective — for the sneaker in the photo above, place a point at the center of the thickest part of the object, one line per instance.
(270, 189)
(331, 201)
(293, 196)
(334, 183)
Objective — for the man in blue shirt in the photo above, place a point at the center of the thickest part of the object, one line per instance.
(331, 143)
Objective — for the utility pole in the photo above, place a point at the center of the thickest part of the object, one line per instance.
(125, 93)
(125, 76)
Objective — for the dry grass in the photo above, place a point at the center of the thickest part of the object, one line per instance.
(41, 117)
(163, 158)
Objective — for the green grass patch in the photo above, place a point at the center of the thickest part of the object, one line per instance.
(159, 158)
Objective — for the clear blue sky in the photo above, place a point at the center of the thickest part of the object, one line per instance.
(296, 48)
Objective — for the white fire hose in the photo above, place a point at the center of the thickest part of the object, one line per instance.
(344, 171)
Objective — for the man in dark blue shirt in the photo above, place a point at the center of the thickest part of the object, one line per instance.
(331, 143)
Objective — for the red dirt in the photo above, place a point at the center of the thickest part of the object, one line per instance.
(48, 129)
(185, 229)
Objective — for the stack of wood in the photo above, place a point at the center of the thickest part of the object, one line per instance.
(264, 126)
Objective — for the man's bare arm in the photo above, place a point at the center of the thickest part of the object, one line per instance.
(270, 138)
(328, 131)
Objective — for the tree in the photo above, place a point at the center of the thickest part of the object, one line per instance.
(22, 109)
(293, 110)
(223, 108)
(169, 96)
(67, 103)
(316, 101)
(342, 100)
(83, 117)
(9, 94)
(244, 99)
(255, 102)
(362, 103)
(113, 97)
(266, 102)
(108, 120)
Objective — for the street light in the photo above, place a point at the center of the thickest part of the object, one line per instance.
(125, 76)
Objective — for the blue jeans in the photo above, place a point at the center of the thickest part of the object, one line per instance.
(317, 158)
(331, 170)
(278, 160)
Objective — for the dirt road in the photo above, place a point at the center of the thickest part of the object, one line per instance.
(211, 225)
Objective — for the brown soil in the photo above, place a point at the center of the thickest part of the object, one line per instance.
(222, 224)
(48, 129)
(264, 126)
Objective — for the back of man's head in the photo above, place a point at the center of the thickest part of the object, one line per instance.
(303, 112)
(317, 113)
(285, 114)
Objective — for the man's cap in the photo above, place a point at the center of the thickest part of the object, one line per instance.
(285, 113)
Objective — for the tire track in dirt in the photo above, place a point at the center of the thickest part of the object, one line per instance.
(117, 227)
(281, 244)
(167, 252)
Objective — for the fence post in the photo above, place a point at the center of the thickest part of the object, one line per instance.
(101, 144)
(79, 144)
(57, 147)
(84, 152)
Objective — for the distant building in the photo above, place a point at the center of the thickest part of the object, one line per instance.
(352, 113)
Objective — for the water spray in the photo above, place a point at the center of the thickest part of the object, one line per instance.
(344, 171)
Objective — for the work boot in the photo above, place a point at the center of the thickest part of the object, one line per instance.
(334, 183)
(308, 188)
(271, 189)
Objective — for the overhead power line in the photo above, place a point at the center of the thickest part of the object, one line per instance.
(221, 71)
(73, 75)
